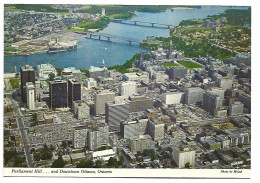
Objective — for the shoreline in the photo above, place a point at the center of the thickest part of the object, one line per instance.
(64, 37)
(182, 8)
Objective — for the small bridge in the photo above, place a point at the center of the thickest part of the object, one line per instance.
(109, 37)
(143, 22)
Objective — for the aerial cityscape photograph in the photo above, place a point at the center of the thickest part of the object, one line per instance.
(126, 86)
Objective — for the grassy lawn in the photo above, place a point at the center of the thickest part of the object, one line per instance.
(76, 30)
(170, 64)
(14, 83)
(190, 65)
(79, 151)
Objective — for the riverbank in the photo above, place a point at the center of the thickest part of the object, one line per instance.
(92, 52)
(63, 40)
(182, 8)
(113, 12)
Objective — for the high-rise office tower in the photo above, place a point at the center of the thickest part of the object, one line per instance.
(74, 91)
(30, 95)
(100, 99)
(27, 75)
(212, 102)
(58, 94)
(116, 112)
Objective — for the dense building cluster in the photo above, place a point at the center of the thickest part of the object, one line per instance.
(166, 114)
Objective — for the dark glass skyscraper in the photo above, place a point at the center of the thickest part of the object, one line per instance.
(74, 91)
(27, 75)
(58, 94)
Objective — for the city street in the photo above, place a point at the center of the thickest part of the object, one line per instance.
(20, 122)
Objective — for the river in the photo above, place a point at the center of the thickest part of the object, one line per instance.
(92, 52)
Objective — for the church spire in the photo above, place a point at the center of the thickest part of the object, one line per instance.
(103, 63)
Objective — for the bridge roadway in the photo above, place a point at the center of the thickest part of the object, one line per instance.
(108, 37)
(137, 21)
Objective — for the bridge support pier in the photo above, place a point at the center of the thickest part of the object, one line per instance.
(108, 39)
(130, 42)
(152, 24)
(90, 36)
(169, 26)
(135, 22)
(99, 37)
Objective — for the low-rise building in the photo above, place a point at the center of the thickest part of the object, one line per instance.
(44, 70)
(90, 83)
(172, 98)
(138, 77)
(103, 155)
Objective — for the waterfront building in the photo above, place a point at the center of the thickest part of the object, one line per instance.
(183, 155)
(96, 72)
(100, 99)
(193, 95)
(30, 90)
(58, 94)
(74, 91)
(127, 88)
(116, 112)
(139, 143)
(70, 72)
(27, 74)
(44, 70)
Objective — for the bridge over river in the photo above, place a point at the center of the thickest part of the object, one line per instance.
(108, 37)
(143, 22)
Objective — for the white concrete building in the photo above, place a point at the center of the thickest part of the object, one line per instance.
(30, 95)
(172, 98)
(81, 109)
(138, 77)
(103, 155)
(155, 129)
(183, 155)
(103, 12)
(69, 73)
(44, 70)
(127, 88)
(90, 83)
